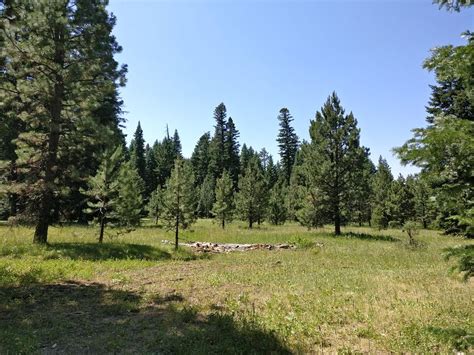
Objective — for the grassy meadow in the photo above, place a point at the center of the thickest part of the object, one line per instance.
(366, 291)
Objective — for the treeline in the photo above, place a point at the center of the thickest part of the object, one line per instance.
(64, 156)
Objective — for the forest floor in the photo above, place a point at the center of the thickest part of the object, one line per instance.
(365, 291)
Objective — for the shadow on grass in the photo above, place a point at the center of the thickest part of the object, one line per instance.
(365, 236)
(73, 317)
(95, 251)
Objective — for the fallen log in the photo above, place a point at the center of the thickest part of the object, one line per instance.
(207, 247)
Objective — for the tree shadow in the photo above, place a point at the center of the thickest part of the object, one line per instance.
(371, 237)
(75, 317)
(95, 251)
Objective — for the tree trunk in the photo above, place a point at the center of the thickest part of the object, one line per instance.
(337, 222)
(223, 223)
(250, 223)
(50, 168)
(176, 235)
(425, 225)
(102, 227)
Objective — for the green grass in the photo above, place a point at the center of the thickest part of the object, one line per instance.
(364, 291)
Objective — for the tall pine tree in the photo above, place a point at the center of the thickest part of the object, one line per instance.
(180, 199)
(61, 68)
(334, 157)
(287, 142)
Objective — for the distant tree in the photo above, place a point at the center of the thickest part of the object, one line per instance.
(218, 153)
(155, 205)
(180, 198)
(165, 154)
(200, 158)
(271, 172)
(206, 197)
(251, 195)
(151, 179)
(232, 150)
(129, 202)
(381, 186)
(277, 204)
(334, 156)
(137, 152)
(287, 142)
(245, 156)
(424, 202)
(60, 70)
(224, 206)
(361, 202)
(103, 188)
(401, 201)
(177, 145)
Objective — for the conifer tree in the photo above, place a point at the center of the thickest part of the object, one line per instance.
(177, 145)
(401, 202)
(232, 150)
(137, 152)
(334, 157)
(206, 197)
(287, 142)
(277, 204)
(200, 158)
(218, 153)
(250, 200)
(151, 179)
(165, 154)
(129, 202)
(361, 201)
(103, 188)
(179, 200)
(445, 149)
(61, 66)
(224, 206)
(424, 202)
(382, 185)
(155, 205)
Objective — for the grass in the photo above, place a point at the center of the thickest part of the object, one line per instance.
(366, 291)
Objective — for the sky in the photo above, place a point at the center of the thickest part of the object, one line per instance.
(186, 57)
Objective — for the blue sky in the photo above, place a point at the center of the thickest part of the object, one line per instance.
(185, 57)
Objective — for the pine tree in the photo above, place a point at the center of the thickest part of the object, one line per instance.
(155, 205)
(180, 200)
(200, 158)
(401, 202)
(129, 202)
(445, 149)
(103, 188)
(424, 202)
(206, 197)
(151, 179)
(165, 154)
(137, 152)
(277, 204)
(60, 64)
(250, 200)
(382, 185)
(287, 142)
(224, 206)
(232, 150)
(334, 158)
(361, 201)
(218, 153)
(177, 145)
